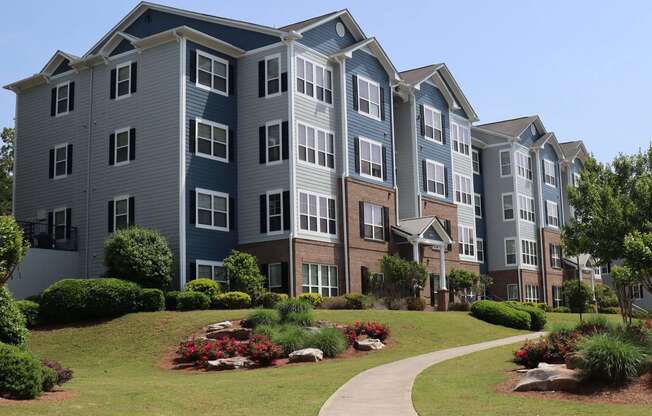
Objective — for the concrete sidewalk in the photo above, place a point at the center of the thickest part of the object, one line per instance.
(387, 390)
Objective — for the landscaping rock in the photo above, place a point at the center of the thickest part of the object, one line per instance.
(310, 355)
(312, 329)
(325, 324)
(573, 361)
(240, 334)
(368, 344)
(229, 363)
(219, 326)
(549, 377)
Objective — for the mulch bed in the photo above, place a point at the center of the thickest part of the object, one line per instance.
(639, 391)
(56, 395)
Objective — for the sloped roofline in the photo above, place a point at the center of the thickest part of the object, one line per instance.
(344, 14)
(378, 51)
(552, 139)
(536, 120)
(56, 59)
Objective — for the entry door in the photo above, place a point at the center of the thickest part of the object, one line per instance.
(434, 288)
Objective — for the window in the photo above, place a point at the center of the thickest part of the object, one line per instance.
(272, 75)
(461, 139)
(480, 249)
(59, 223)
(512, 292)
(275, 275)
(373, 222)
(524, 165)
(63, 99)
(436, 178)
(212, 140)
(212, 210)
(576, 178)
(212, 73)
(120, 212)
(466, 236)
(463, 190)
(552, 213)
(475, 156)
(315, 81)
(213, 270)
(371, 158)
(477, 199)
(529, 250)
(526, 208)
(508, 207)
(549, 173)
(557, 297)
(121, 155)
(123, 80)
(596, 273)
(274, 211)
(532, 293)
(317, 213)
(316, 146)
(319, 278)
(273, 141)
(368, 98)
(555, 256)
(61, 161)
(637, 292)
(432, 124)
(510, 252)
(533, 130)
(605, 269)
(505, 163)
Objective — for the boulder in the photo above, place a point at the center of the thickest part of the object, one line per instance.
(229, 363)
(549, 377)
(220, 325)
(240, 334)
(574, 361)
(369, 344)
(311, 329)
(306, 355)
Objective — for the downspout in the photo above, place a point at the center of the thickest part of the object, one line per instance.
(414, 143)
(391, 114)
(345, 168)
(544, 274)
(88, 173)
(290, 65)
(13, 179)
(182, 162)
(517, 222)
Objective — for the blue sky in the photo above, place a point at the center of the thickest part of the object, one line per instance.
(584, 66)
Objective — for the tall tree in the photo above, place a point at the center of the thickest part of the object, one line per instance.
(6, 169)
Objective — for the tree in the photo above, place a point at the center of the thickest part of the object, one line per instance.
(460, 281)
(623, 279)
(402, 277)
(605, 297)
(578, 295)
(6, 169)
(13, 247)
(484, 282)
(638, 256)
(244, 273)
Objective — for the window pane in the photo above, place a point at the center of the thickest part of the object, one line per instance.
(219, 203)
(61, 153)
(61, 168)
(219, 134)
(122, 154)
(123, 88)
(123, 73)
(204, 272)
(204, 217)
(219, 219)
(204, 201)
(204, 146)
(272, 68)
(204, 78)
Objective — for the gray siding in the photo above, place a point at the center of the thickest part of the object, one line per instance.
(405, 158)
(463, 165)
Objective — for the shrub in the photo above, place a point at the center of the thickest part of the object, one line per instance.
(64, 375)
(330, 340)
(561, 309)
(358, 301)
(21, 374)
(201, 351)
(140, 255)
(537, 315)
(543, 306)
(500, 314)
(596, 324)
(208, 287)
(305, 318)
(232, 300)
(262, 350)
(459, 306)
(261, 317)
(314, 299)
(335, 302)
(393, 304)
(561, 343)
(49, 377)
(532, 353)
(401, 276)
(371, 329)
(12, 321)
(29, 310)
(578, 295)
(606, 297)
(13, 246)
(610, 310)
(290, 337)
(270, 299)
(152, 300)
(244, 273)
(171, 300)
(190, 301)
(415, 304)
(286, 307)
(266, 330)
(609, 359)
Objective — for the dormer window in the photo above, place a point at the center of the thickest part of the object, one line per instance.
(533, 130)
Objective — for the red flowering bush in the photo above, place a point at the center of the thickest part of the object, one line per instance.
(262, 350)
(560, 344)
(531, 353)
(371, 329)
(350, 335)
(201, 351)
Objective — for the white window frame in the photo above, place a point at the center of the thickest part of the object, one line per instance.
(212, 140)
(278, 192)
(515, 254)
(555, 256)
(552, 213)
(371, 144)
(213, 210)
(212, 265)
(269, 124)
(524, 165)
(117, 81)
(532, 293)
(557, 296)
(436, 115)
(213, 74)
(477, 204)
(319, 287)
(514, 210)
(370, 84)
(501, 165)
(576, 178)
(371, 222)
(115, 147)
(54, 167)
(115, 211)
(464, 185)
(529, 254)
(461, 142)
(479, 248)
(637, 292)
(269, 275)
(54, 223)
(316, 149)
(526, 207)
(475, 160)
(549, 178)
(319, 215)
(511, 286)
(268, 79)
(304, 80)
(435, 166)
(466, 240)
(67, 98)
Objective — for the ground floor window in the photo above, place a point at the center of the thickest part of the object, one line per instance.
(512, 292)
(531, 293)
(529, 250)
(480, 249)
(213, 270)
(319, 278)
(275, 275)
(637, 292)
(557, 297)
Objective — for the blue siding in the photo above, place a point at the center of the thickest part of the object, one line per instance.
(360, 125)
(153, 21)
(63, 67)
(206, 173)
(527, 138)
(427, 149)
(480, 225)
(123, 46)
(325, 39)
(550, 193)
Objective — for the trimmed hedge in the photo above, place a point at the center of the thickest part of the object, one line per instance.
(358, 301)
(12, 321)
(208, 287)
(232, 300)
(152, 300)
(171, 300)
(270, 299)
(21, 374)
(537, 314)
(315, 299)
(190, 301)
(30, 310)
(500, 314)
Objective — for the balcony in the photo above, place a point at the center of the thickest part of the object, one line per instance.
(39, 235)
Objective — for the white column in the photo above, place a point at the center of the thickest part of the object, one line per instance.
(442, 267)
(415, 251)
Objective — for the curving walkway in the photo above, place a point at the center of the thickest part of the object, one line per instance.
(386, 390)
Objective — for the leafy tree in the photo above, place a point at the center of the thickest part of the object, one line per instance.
(484, 283)
(402, 277)
(624, 278)
(244, 273)
(13, 247)
(578, 295)
(638, 256)
(6, 169)
(460, 281)
(605, 296)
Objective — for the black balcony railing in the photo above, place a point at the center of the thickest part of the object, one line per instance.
(40, 235)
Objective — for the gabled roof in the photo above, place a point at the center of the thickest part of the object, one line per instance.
(549, 138)
(344, 14)
(297, 26)
(414, 228)
(115, 40)
(574, 149)
(56, 60)
(374, 46)
(513, 127)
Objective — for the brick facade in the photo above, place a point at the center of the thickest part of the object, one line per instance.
(317, 252)
(554, 276)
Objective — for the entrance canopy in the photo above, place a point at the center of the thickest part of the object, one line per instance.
(423, 230)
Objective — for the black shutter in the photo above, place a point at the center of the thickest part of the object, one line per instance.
(68, 221)
(193, 66)
(285, 273)
(132, 144)
(550, 246)
(286, 210)
(545, 208)
(356, 154)
(284, 81)
(264, 270)
(110, 214)
(354, 80)
(446, 181)
(543, 171)
(262, 144)
(69, 159)
(231, 79)
(261, 78)
(263, 214)
(192, 271)
(192, 140)
(112, 149)
(285, 137)
(71, 96)
(361, 217)
(424, 171)
(53, 102)
(364, 276)
(422, 119)
(232, 213)
(112, 85)
(382, 103)
(134, 77)
(386, 223)
(191, 207)
(231, 145)
(51, 170)
(50, 224)
(384, 155)
(132, 211)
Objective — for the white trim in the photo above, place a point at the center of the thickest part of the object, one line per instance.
(443, 167)
(317, 130)
(518, 291)
(470, 190)
(434, 112)
(466, 231)
(514, 211)
(182, 164)
(56, 102)
(371, 83)
(319, 214)
(319, 285)
(213, 210)
(115, 146)
(212, 264)
(291, 156)
(475, 152)
(532, 244)
(500, 163)
(531, 203)
(315, 65)
(461, 141)
(371, 143)
(547, 163)
(269, 124)
(266, 59)
(550, 203)
(54, 164)
(480, 242)
(13, 178)
(515, 240)
(212, 58)
(54, 223)
(196, 139)
(526, 169)
(115, 215)
(477, 205)
(371, 223)
(263, 48)
(267, 194)
(117, 80)
(269, 281)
